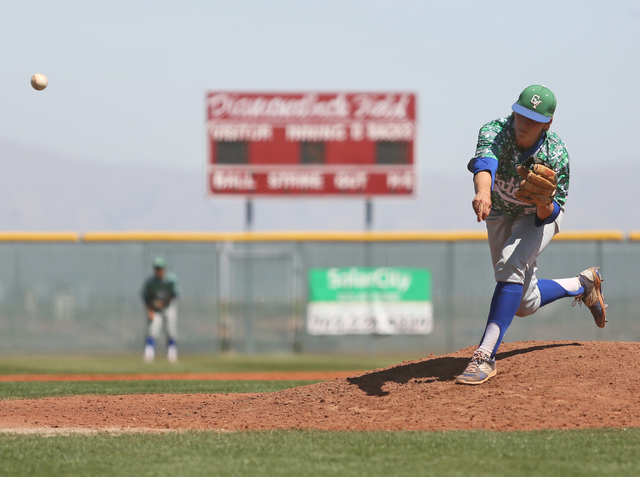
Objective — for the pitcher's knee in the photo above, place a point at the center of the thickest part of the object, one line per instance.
(528, 308)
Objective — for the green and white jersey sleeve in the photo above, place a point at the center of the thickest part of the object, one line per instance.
(497, 140)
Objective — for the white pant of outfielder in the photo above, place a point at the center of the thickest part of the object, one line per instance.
(167, 319)
(516, 243)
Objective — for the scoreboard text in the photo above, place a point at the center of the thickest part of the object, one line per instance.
(311, 144)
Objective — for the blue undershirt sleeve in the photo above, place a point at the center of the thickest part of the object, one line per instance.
(551, 218)
(489, 164)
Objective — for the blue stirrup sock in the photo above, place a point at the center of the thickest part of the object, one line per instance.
(504, 304)
(550, 291)
(150, 341)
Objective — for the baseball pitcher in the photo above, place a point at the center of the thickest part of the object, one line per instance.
(521, 180)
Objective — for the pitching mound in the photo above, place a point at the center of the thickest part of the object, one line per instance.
(540, 385)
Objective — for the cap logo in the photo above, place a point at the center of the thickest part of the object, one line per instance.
(535, 100)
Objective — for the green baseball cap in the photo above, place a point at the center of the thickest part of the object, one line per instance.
(159, 263)
(536, 102)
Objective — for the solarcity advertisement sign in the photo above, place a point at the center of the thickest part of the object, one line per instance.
(357, 300)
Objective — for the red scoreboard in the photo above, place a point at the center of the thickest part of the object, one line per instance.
(311, 144)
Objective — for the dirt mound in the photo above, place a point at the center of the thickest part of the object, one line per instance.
(540, 385)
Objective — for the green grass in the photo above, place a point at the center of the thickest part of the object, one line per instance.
(606, 452)
(188, 364)
(132, 364)
(316, 453)
(34, 390)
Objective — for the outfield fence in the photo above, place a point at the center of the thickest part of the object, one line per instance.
(247, 292)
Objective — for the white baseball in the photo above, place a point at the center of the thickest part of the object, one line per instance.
(39, 81)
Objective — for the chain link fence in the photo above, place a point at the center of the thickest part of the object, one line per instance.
(250, 296)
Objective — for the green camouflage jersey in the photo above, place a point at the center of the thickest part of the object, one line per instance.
(497, 140)
(158, 293)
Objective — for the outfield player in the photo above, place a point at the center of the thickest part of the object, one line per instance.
(519, 231)
(159, 295)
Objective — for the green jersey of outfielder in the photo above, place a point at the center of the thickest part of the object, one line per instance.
(159, 295)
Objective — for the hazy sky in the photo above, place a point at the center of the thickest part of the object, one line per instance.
(127, 79)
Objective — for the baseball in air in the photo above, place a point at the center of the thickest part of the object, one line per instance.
(39, 81)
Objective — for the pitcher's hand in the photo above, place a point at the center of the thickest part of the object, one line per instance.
(481, 204)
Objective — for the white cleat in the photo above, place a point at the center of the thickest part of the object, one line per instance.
(149, 354)
(172, 354)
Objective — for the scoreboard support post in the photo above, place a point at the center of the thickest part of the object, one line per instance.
(248, 223)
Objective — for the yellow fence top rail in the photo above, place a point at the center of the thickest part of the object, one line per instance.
(406, 236)
(282, 236)
(39, 236)
(590, 235)
(635, 235)
(142, 236)
(328, 236)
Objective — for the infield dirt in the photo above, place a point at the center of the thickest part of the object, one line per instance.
(539, 385)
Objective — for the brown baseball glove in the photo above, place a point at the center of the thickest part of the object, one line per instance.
(539, 184)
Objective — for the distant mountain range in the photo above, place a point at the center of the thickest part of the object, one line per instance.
(42, 191)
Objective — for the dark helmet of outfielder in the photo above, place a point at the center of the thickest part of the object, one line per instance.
(537, 103)
(159, 262)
